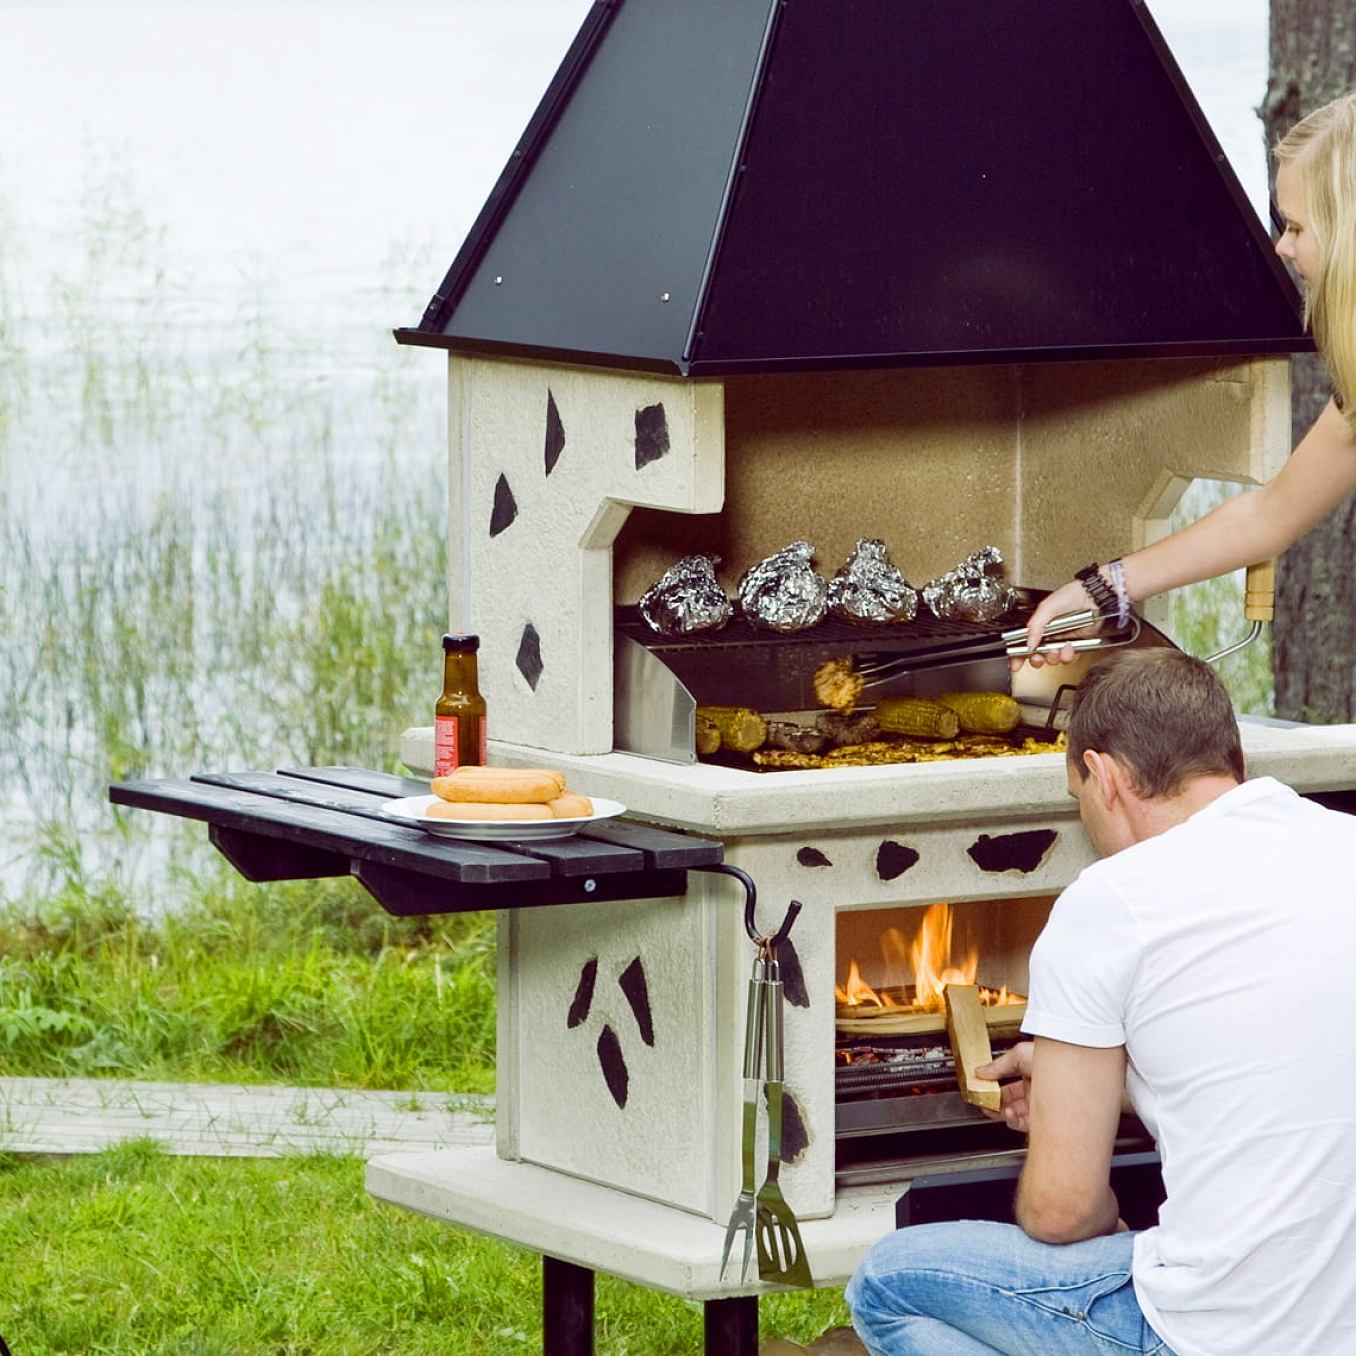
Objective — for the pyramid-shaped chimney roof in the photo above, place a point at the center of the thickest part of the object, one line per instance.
(720, 186)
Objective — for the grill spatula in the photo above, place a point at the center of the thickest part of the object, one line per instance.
(781, 1254)
(744, 1214)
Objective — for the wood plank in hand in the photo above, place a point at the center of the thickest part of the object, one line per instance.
(969, 1035)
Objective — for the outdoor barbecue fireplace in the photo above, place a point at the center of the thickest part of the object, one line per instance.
(769, 270)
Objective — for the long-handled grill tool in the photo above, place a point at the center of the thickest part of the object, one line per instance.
(1007, 645)
(765, 1217)
(781, 1254)
(744, 1215)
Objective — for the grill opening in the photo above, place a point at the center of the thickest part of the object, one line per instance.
(897, 1106)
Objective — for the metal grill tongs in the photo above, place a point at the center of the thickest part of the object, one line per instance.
(764, 1217)
(1007, 644)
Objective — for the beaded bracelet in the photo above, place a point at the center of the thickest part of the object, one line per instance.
(1103, 599)
(1122, 593)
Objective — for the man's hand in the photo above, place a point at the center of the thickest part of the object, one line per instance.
(1014, 1065)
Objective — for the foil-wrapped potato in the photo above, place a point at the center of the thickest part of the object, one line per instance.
(974, 591)
(785, 592)
(868, 590)
(687, 598)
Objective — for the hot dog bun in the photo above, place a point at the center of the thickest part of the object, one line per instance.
(500, 785)
(486, 770)
(571, 806)
(479, 809)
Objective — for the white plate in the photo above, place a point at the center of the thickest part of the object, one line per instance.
(412, 810)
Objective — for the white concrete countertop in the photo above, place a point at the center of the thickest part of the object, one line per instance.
(611, 1231)
(710, 798)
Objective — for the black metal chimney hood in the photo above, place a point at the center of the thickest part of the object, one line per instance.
(712, 187)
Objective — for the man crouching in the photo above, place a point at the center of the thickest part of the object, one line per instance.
(1204, 969)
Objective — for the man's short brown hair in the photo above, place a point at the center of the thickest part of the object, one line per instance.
(1163, 715)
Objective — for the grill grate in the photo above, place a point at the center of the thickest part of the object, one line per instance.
(923, 635)
(892, 1066)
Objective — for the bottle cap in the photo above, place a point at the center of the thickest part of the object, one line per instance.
(454, 643)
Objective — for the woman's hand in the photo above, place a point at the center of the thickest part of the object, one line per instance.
(1070, 597)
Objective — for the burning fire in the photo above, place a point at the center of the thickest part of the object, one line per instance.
(930, 964)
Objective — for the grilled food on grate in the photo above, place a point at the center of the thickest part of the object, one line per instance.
(883, 752)
(837, 686)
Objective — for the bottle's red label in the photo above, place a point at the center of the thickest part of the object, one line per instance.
(445, 749)
(448, 754)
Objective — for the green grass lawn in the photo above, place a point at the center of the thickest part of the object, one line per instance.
(136, 1251)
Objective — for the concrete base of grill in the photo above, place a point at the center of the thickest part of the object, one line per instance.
(610, 1231)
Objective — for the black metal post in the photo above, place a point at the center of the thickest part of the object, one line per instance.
(732, 1326)
(566, 1308)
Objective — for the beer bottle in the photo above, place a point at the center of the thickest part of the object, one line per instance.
(459, 717)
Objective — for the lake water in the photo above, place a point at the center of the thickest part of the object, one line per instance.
(211, 218)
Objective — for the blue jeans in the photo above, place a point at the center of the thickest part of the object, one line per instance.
(975, 1289)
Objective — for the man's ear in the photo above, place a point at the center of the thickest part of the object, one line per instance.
(1107, 773)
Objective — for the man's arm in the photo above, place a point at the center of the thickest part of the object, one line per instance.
(1065, 1193)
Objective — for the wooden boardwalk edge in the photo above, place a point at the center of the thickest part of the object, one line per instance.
(88, 1115)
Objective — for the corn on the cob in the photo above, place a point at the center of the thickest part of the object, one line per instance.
(984, 712)
(707, 736)
(918, 717)
(741, 729)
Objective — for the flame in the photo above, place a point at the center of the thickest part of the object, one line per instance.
(932, 962)
(859, 993)
(926, 964)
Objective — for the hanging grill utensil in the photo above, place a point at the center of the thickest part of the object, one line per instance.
(781, 1254)
(744, 1215)
(765, 1217)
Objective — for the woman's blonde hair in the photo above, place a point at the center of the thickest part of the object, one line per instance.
(1323, 148)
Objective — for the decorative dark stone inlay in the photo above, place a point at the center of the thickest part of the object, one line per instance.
(652, 435)
(637, 993)
(795, 1137)
(1022, 852)
(529, 656)
(793, 976)
(809, 856)
(894, 859)
(505, 507)
(614, 1066)
(583, 994)
(555, 434)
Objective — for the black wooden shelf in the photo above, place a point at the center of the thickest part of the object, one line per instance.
(306, 823)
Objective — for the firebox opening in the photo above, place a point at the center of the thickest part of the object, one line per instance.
(898, 1106)
(899, 958)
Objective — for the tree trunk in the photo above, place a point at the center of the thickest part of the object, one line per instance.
(1313, 656)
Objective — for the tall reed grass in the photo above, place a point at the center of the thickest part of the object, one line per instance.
(222, 544)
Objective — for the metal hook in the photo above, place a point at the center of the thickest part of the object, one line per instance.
(781, 934)
(750, 904)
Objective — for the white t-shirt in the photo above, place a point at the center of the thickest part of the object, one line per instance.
(1222, 955)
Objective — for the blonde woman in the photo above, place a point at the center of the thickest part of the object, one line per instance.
(1316, 198)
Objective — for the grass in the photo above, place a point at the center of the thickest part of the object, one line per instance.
(306, 983)
(133, 1252)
